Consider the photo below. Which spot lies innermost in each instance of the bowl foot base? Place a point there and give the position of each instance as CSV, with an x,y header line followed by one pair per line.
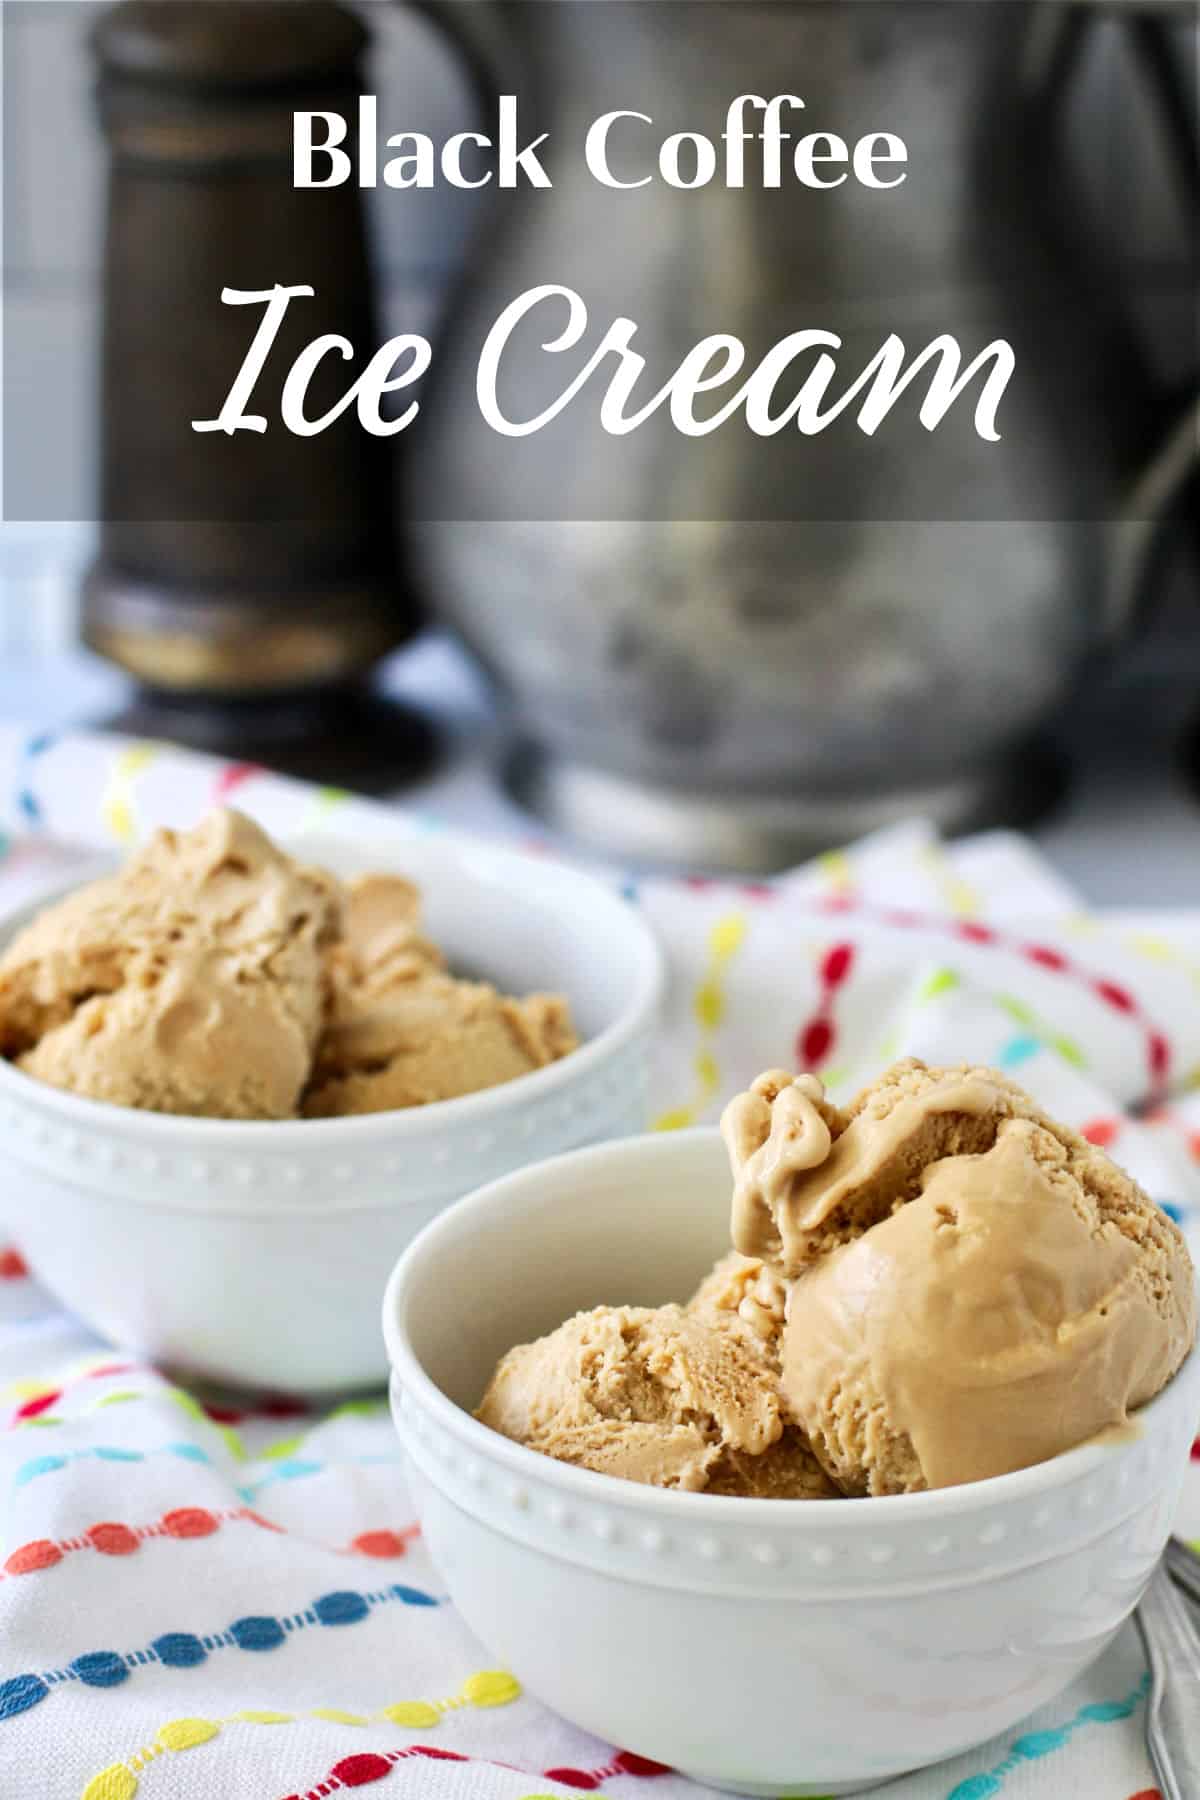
x,y
791,1790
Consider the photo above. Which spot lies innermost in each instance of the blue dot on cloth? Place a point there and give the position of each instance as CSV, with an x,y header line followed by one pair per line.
x,y
975,1787
179,1650
1039,1743
1107,1712
257,1633
190,1452
292,1468
1172,1212
19,1693
38,1465
412,1596
101,1668
343,1608
110,1453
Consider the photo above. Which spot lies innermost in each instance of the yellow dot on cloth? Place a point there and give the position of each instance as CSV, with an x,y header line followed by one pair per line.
x,y
115,1783
707,1072
491,1687
338,1718
185,1734
252,1717
412,1713
1154,949
675,1120
726,935
710,1005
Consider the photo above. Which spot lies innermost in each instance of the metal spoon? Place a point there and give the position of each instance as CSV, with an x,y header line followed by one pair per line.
x,y
1172,1645
1183,1566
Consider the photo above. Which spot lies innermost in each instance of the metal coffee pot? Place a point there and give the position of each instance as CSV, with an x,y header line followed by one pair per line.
x,y
735,653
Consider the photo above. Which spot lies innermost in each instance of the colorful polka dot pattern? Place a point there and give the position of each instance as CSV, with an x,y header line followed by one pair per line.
x,y
255,1633
1036,1744
490,1687
360,1771
117,807
725,939
1111,994
182,1524
29,807
817,1041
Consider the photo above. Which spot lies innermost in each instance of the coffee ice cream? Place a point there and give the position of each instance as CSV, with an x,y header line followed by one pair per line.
x,y
658,1395
972,1287
192,981
214,976
403,1031
937,1284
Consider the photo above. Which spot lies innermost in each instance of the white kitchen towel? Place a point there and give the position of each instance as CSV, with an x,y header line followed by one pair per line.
x,y
215,1598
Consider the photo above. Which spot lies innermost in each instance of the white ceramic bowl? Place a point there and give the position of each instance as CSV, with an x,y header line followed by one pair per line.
x,y
257,1252
761,1646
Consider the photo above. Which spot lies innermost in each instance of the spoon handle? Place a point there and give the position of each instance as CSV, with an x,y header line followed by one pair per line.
x,y
1172,1647
1183,1566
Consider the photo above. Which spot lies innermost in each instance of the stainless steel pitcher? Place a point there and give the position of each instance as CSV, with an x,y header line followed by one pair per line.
x,y
737,657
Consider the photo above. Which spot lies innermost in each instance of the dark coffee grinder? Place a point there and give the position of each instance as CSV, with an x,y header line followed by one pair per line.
x,y
248,582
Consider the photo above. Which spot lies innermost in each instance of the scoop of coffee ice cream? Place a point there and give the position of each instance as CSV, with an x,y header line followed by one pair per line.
x,y
190,982
402,1031
974,1287
654,1395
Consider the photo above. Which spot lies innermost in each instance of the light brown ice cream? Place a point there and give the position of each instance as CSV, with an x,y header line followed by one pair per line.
x,y
655,1395
976,1288
215,976
808,1178
741,1291
935,1285
402,1031
191,982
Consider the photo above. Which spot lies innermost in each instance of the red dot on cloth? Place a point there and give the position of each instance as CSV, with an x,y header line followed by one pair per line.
x,y
43,1403
232,777
575,1778
1115,996
758,890
360,1770
267,1524
837,964
1045,957
814,1043
1101,1132
626,1763
1147,1794
1196,1450
190,1522
13,1266
379,1543
975,933
1160,1053
41,1554
112,1540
